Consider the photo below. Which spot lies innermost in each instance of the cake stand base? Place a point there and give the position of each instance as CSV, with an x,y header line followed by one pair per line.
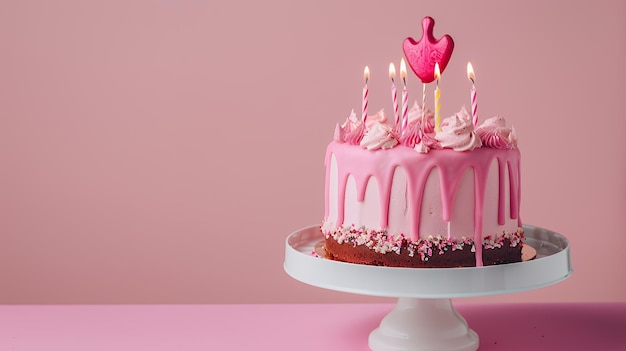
x,y
424,318
423,324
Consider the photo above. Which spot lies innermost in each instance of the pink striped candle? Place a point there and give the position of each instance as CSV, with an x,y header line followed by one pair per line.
x,y
472,77
394,93
405,96
366,76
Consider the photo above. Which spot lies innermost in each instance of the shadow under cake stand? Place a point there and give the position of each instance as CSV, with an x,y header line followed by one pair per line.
x,y
424,317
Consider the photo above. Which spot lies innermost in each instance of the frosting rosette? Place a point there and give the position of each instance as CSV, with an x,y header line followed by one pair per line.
x,y
457,133
351,123
494,134
339,135
351,130
427,143
378,117
411,136
415,116
354,137
378,136
413,133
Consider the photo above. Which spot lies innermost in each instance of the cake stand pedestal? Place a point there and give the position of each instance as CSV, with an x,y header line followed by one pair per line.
x,y
424,317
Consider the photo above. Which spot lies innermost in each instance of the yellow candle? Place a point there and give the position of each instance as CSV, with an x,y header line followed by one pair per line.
x,y
437,102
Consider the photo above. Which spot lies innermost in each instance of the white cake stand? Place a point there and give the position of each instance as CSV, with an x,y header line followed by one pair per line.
x,y
424,318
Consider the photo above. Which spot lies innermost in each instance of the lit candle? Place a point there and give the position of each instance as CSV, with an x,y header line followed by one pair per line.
x,y
437,102
394,93
366,76
405,96
472,77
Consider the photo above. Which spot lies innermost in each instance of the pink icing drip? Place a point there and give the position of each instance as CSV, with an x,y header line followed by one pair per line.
x,y
501,219
519,191
480,185
451,165
514,184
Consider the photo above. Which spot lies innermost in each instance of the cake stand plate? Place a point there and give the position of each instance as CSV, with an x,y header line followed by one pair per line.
x,y
424,318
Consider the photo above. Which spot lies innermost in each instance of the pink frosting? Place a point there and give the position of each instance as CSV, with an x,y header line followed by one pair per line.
x,y
351,123
413,134
428,142
378,136
378,117
354,137
494,134
339,134
415,116
374,134
351,130
351,161
457,133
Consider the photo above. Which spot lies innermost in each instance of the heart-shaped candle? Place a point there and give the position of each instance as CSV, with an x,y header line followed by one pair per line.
x,y
424,53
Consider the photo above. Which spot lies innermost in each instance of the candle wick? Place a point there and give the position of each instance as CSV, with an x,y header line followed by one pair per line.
x,y
404,81
472,79
392,80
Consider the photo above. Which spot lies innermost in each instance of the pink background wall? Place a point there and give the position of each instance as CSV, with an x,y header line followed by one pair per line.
x,y
161,151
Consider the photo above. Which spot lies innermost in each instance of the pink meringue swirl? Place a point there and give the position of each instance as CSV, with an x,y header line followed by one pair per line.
x,y
428,142
415,116
351,123
494,134
457,133
413,133
339,135
351,130
354,136
378,117
411,136
379,136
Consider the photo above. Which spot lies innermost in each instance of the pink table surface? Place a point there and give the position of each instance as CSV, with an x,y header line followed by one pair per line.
x,y
566,326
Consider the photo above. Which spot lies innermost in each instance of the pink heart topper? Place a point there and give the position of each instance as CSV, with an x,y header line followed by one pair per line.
x,y
423,54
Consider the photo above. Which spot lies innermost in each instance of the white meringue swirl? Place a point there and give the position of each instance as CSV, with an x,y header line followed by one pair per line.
x,y
494,134
378,117
457,133
378,136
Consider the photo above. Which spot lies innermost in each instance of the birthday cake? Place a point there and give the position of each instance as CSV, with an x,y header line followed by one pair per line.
x,y
419,191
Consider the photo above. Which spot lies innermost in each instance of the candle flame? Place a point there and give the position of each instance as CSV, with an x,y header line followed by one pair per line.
x,y
402,68
470,72
437,72
366,74
392,71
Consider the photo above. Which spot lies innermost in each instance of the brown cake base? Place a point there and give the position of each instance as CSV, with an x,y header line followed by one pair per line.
x,y
361,254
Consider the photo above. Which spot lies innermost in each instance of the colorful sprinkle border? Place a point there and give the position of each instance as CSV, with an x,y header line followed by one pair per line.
x,y
381,242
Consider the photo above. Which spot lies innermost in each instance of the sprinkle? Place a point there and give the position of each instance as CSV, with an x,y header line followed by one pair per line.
x,y
382,242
